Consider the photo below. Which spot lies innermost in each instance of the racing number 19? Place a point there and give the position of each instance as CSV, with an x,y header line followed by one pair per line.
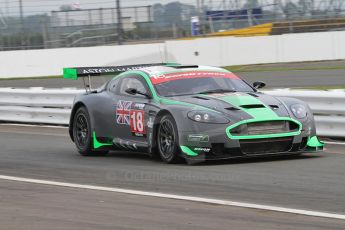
x,y
137,121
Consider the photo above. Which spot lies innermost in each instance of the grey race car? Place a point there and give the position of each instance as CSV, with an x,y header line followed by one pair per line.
x,y
186,112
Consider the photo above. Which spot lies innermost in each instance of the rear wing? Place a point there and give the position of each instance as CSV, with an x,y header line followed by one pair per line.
x,y
76,72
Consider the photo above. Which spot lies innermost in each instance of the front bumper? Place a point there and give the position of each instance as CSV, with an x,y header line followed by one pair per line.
x,y
216,147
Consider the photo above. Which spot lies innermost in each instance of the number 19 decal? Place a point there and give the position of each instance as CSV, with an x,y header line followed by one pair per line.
x,y
137,121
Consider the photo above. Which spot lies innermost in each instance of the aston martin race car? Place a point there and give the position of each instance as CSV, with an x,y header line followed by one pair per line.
x,y
190,112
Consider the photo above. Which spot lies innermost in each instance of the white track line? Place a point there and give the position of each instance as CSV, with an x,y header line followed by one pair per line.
x,y
334,143
179,197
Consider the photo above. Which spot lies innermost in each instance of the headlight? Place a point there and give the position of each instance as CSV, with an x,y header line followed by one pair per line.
x,y
299,111
207,117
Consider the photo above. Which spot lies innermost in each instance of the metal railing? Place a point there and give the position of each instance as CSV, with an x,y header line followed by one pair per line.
x,y
328,108
53,106
50,31
37,105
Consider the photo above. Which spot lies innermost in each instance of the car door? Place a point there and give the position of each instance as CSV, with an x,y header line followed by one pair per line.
x,y
131,113
103,111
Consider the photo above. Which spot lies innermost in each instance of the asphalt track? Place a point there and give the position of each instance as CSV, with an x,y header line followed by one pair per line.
x,y
310,182
273,79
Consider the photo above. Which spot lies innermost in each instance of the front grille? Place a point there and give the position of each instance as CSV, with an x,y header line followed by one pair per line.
x,y
267,127
264,127
220,152
267,145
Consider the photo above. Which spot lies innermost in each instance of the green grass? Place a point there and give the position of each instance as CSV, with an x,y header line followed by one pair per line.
x,y
256,68
235,69
321,87
242,68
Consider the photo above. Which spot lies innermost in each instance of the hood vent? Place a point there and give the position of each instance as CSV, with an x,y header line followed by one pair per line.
x,y
253,106
232,108
274,107
201,98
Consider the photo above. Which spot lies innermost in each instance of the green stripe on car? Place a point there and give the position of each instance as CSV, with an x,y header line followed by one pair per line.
x,y
260,114
239,99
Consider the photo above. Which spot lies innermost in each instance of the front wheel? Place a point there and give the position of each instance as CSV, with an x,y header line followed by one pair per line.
x,y
167,140
82,134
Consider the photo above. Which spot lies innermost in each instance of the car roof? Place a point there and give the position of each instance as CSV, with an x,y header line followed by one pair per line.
x,y
160,70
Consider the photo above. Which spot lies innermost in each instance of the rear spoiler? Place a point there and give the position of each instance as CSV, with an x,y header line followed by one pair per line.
x,y
76,72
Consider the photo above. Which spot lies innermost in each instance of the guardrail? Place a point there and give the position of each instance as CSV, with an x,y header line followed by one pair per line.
x,y
53,106
37,105
328,108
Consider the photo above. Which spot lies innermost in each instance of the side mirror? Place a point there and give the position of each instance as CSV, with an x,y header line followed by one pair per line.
x,y
259,84
131,91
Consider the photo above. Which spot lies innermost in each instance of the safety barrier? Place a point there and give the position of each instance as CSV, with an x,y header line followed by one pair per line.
x,y
328,108
37,105
53,106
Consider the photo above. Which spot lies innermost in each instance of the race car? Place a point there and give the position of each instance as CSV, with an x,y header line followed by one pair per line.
x,y
193,113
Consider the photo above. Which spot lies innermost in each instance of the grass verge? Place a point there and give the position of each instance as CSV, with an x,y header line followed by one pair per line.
x,y
321,87
256,68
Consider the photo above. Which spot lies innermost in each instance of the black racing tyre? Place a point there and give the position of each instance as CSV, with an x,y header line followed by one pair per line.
x,y
167,140
82,134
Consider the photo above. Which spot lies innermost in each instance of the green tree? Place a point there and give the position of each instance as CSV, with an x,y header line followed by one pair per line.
x,y
173,13
305,6
291,10
66,8
251,4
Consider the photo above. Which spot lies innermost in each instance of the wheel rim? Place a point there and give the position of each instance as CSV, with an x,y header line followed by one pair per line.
x,y
166,139
81,130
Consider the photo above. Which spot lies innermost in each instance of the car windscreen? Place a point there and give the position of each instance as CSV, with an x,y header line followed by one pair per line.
x,y
197,82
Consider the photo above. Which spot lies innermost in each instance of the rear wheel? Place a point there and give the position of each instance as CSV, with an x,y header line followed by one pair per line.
x,y
82,134
167,140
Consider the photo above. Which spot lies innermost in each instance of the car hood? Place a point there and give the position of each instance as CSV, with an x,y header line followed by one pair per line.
x,y
239,104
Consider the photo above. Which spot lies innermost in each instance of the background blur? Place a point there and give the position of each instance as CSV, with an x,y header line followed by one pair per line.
x,y
38,24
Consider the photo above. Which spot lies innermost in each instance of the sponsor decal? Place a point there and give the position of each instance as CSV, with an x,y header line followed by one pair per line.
x,y
138,106
137,121
227,94
189,75
100,70
202,149
150,122
198,138
139,134
132,114
123,109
